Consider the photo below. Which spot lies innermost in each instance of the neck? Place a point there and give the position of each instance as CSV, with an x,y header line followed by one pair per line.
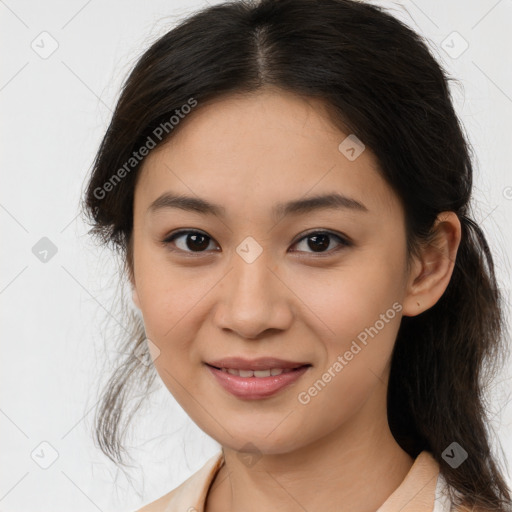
x,y
334,472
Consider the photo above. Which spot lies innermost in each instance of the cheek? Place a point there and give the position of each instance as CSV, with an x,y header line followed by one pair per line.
x,y
365,322
174,305
357,313
166,295
348,300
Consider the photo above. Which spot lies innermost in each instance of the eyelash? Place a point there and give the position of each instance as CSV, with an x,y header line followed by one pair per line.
x,y
344,242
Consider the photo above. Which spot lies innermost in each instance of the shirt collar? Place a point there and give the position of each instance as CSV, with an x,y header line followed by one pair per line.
x,y
421,490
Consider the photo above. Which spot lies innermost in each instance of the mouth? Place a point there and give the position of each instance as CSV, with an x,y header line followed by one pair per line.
x,y
264,379
269,372
261,363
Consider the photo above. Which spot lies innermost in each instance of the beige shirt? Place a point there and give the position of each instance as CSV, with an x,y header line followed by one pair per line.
x,y
422,490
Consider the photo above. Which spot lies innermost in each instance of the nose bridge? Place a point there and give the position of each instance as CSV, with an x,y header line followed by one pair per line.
x,y
253,300
251,276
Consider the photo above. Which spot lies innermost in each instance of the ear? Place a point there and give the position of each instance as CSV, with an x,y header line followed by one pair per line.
x,y
431,272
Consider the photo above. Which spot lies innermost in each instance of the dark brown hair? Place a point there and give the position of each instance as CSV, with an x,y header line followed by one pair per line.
x,y
380,82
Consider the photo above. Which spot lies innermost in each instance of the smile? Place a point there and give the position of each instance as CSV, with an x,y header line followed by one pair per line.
x,y
256,384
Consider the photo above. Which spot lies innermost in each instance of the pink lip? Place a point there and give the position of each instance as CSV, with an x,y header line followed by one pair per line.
x,y
253,388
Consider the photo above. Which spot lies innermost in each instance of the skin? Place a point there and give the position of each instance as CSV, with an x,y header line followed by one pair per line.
x,y
248,153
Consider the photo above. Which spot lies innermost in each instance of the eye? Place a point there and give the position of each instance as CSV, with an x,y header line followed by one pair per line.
x,y
198,242
194,241
320,241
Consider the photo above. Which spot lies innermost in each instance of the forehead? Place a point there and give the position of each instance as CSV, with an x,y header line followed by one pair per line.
x,y
259,149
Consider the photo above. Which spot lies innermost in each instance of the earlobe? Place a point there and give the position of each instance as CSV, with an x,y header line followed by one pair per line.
x,y
411,305
431,273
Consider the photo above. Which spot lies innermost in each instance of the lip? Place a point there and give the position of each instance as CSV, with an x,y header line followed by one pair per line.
x,y
254,388
261,363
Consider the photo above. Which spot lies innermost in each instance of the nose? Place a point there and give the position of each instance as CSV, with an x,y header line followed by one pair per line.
x,y
253,299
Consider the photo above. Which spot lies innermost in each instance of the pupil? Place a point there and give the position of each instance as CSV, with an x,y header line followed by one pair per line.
x,y
199,245
324,242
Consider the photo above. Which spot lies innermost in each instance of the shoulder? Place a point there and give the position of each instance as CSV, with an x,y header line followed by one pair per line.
x,y
190,494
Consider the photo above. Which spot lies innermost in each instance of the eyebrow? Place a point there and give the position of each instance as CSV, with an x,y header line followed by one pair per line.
x,y
333,201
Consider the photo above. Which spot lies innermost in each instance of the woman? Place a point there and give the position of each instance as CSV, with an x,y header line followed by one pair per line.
x,y
289,187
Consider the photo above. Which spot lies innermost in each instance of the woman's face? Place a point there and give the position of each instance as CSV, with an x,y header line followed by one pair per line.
x,y
254,280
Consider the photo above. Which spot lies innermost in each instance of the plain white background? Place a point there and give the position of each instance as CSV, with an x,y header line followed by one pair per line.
x,y
55,109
